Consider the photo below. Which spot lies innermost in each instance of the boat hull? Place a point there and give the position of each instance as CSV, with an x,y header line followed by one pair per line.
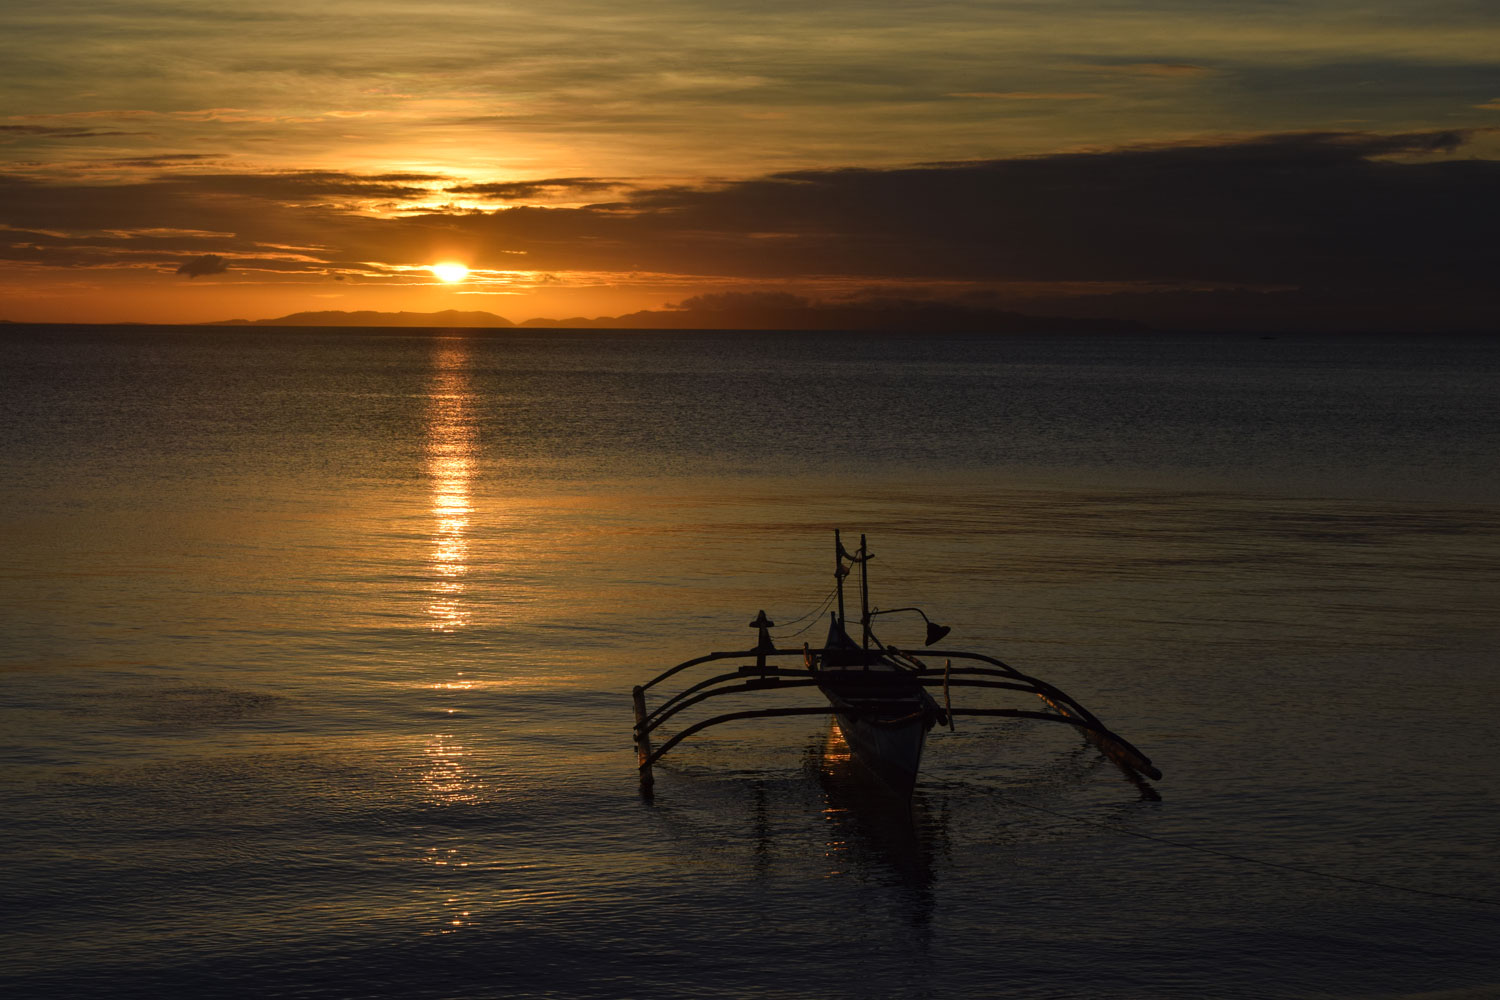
x,y
891,753
884,714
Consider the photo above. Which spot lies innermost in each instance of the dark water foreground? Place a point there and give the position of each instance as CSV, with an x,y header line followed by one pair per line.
x,y
317,650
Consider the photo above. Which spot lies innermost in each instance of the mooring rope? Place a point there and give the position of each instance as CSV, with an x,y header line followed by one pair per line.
x,y
1373,883
814,614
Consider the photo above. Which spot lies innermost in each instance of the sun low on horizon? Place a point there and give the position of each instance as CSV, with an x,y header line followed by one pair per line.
x,y
450,271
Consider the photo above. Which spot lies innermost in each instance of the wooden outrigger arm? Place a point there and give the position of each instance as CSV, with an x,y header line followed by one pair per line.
x,y
1068,709
751,677
762,676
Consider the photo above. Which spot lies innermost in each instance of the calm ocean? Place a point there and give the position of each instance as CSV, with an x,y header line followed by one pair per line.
x,y
317,650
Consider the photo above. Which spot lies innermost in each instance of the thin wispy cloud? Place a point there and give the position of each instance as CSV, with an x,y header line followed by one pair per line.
x,y
17,132
550,187
1164,70
1027,95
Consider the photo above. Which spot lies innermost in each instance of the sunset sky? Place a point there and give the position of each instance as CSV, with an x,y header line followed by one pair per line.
x,y
1324,163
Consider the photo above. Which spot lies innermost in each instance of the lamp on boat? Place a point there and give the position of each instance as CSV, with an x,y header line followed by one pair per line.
x,y
934,630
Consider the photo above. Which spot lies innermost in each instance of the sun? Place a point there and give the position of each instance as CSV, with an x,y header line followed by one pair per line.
x,y
450,271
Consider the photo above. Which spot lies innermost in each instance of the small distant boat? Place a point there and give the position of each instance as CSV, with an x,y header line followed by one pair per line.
x,y
880,695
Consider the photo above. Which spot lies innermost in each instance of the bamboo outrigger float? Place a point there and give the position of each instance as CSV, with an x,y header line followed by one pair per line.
x,y
878,693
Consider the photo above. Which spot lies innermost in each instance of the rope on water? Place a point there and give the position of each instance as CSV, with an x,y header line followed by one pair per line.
x,y
1373,883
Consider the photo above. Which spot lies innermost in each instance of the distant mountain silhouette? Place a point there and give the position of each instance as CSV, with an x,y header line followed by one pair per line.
x,y
742,311
369,317
761,311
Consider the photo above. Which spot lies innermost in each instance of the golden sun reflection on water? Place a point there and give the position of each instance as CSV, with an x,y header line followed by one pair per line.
x,y
446,779
452,446
834,764
836,753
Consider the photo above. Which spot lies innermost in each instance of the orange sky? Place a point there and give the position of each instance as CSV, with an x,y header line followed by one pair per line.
x,y
167,163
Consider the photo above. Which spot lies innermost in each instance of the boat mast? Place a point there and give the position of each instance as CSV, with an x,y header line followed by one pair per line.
x,y
864,591
838,572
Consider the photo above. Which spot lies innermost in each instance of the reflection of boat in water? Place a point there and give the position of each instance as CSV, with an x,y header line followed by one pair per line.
x,y
878,693
866,838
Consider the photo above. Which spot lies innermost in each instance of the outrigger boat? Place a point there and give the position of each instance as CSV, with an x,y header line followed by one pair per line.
x,y
878,693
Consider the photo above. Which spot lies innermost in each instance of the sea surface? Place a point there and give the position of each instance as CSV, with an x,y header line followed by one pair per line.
x,y
316,652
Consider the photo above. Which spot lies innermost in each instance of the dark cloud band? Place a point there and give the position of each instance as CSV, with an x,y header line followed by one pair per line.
x,y
1337,228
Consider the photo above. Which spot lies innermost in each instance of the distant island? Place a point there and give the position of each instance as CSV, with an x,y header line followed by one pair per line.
x,y
369,317
733,311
